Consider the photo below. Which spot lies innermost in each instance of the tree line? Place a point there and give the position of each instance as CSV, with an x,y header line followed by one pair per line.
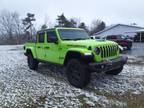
x,y
17,30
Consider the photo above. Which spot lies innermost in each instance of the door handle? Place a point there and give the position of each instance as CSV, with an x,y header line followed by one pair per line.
x,y
46,47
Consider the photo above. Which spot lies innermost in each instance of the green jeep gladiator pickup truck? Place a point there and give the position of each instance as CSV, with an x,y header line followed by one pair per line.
x,y
73,48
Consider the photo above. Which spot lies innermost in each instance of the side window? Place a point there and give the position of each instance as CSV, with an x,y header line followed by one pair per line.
x,y
41,37
51,36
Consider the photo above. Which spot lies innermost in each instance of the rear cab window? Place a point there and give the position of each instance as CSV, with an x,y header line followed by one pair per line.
x,y
41,37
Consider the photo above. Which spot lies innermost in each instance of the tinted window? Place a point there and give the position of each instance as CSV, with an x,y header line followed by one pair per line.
x,y
111,37
41,37
51,35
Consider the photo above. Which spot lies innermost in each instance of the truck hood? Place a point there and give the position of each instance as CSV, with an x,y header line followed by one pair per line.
x,y
88,42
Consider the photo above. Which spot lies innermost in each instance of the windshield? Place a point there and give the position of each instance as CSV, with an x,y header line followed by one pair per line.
x,y
67,34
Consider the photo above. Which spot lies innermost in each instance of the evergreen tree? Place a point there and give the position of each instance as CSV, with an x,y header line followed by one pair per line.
x,y
64,22
83,26
43,27
97,26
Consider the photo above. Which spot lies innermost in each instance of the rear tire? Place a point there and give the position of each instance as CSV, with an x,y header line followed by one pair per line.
x,y
115,71
77,73
32,63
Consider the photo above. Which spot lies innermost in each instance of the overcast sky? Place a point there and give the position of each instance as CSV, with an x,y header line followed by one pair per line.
x,y
110,11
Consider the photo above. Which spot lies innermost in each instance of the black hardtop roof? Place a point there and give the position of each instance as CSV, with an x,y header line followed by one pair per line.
x,y
41,31
44,30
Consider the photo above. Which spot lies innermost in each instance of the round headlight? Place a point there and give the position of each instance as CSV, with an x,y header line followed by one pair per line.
x,y
97,50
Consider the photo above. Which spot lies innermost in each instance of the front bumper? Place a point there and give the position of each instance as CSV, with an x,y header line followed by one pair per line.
x,y
108,64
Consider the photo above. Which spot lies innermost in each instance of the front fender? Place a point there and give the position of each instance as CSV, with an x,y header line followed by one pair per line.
x,y
32,49
81,51
83,54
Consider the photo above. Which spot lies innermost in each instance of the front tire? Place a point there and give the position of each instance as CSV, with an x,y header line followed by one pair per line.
x,y
115,71
77,73
32,63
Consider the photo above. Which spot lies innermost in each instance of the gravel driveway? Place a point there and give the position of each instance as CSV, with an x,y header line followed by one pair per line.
x,y
48,87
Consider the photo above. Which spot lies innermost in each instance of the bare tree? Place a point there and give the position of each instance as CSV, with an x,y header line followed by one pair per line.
x,y
78,21
10,25
18,31
6,23
97,25
47,23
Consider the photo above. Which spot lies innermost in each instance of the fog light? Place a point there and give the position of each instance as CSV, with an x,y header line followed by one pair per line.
x,y
102,66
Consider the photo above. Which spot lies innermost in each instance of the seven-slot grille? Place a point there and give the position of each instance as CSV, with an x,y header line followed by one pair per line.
x,y
108,51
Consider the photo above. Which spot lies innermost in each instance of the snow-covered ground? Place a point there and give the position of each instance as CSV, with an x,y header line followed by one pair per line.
x,y
48,87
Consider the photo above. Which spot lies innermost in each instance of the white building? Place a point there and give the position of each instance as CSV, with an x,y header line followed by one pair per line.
x,y
119,29
140,35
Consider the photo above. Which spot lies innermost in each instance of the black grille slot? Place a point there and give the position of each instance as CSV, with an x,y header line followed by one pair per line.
x,y
101,52
105,52
112,50
108,51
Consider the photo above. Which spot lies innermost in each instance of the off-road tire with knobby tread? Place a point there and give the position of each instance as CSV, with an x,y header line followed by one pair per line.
x,y
32,63
77,73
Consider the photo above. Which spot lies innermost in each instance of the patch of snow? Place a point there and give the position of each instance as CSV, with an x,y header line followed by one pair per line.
x,y
91,104
20,86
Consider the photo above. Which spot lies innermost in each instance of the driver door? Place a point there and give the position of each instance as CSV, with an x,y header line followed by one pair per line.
x,y
51,47
40,45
